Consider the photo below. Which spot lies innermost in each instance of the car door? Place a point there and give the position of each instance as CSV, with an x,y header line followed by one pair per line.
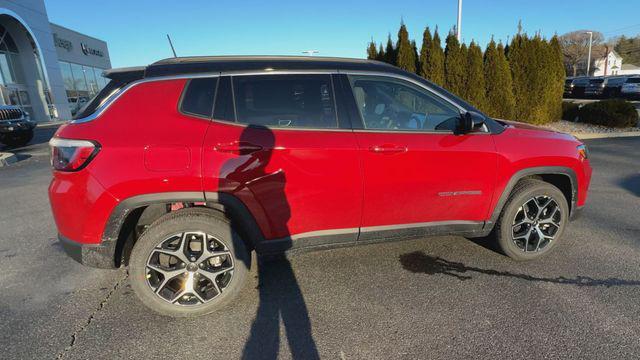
x,y
285,154
418,174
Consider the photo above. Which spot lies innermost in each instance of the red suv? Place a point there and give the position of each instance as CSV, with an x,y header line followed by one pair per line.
x,y
179,169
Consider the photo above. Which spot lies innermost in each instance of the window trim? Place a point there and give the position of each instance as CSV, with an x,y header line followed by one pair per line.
x,y
329,73
184,91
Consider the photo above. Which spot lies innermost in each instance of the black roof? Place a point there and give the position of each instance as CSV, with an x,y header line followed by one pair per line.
x,y
207,64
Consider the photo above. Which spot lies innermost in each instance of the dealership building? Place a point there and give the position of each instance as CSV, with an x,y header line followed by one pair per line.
x,y
46,69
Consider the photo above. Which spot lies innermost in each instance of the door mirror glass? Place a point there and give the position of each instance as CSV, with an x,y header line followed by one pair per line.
x,y
470,121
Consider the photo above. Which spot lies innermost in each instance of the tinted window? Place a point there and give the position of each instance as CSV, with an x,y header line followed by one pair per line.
x,y
90,107
224,101
633,80
198,97
386,103
301,101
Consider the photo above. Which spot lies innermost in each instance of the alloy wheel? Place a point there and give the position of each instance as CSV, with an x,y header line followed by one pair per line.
x,y
536,224
189,268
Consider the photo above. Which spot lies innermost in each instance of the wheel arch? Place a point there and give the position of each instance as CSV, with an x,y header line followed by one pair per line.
x,y
564,178
128,219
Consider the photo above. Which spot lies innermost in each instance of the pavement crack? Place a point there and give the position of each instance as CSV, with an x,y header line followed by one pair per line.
x,y
91,317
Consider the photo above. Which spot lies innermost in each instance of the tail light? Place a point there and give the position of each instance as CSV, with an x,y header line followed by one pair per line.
x,y
72,155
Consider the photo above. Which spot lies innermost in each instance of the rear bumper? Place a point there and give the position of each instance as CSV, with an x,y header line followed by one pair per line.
x,y
94,255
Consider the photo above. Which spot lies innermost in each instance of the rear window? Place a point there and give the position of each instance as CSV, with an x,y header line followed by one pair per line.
x,y
288,101
92,105
633,80
198,97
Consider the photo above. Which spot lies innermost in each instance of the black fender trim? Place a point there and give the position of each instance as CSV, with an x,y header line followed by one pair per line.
x,y
541,170
123,209
243,220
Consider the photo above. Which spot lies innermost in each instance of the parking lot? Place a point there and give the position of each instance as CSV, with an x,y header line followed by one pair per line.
x,y
442,297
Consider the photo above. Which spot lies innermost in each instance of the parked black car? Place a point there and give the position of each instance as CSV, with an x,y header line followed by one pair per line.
x,y
613,85
579,86
16,127
595,88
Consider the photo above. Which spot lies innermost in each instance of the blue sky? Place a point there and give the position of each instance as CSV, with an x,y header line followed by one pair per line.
x,y
135,29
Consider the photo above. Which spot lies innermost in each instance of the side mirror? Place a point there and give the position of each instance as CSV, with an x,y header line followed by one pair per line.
x,y
469,122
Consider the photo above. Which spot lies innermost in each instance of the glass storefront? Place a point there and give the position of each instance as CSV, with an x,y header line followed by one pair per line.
x,y
81,82
13,90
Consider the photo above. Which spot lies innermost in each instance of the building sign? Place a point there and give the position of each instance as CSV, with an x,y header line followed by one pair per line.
x,y
90,51
62,43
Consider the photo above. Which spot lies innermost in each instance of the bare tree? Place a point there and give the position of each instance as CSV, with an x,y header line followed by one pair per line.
x,y
575,48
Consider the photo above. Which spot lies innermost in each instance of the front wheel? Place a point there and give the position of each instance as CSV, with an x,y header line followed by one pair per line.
x,y
188,263
532,221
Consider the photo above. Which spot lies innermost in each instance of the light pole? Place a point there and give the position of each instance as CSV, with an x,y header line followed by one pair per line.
x,y
589,56
459,26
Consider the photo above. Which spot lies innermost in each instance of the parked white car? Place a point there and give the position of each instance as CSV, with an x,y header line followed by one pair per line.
x,y
631,88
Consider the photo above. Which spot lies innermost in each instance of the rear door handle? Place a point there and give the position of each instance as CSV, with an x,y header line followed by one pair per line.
x,y
388,149
238,147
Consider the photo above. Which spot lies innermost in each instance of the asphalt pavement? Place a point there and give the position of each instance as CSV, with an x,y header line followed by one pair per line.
x,y
440,297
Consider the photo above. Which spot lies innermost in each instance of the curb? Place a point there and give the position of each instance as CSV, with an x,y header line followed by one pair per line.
x,y
7,159
586,136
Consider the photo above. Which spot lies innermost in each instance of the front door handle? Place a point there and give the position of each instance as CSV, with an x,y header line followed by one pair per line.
x,y
238,147
388,149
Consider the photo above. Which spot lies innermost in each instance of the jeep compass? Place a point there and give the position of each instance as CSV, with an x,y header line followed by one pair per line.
x,y
180,169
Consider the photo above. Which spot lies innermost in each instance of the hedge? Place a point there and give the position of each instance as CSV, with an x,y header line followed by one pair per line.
x,y
570,111
611,112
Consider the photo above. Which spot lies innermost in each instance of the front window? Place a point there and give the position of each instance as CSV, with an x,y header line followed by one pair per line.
x,y
392,104
286,101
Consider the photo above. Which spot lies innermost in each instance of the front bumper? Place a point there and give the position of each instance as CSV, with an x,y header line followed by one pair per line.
x,y
9,126
94,255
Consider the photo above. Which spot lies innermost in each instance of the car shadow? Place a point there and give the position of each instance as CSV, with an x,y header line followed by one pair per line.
x,y
632,184
250,177
419,262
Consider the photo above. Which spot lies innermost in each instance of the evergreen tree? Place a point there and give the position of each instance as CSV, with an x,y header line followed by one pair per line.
x,y
556,84
405,58
390,52
425,54
372,52
517,63
464,52
435,61
381,55
416,57
529,62
498,84
454,66
475,77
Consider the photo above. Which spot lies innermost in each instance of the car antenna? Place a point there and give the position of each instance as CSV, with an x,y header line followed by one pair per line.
x,y
171,44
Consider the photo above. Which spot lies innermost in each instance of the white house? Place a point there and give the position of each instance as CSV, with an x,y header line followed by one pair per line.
x,y
608,65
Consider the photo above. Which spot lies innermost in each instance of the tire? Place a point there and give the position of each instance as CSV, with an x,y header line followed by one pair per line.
x,y
17,138
529,196
159,247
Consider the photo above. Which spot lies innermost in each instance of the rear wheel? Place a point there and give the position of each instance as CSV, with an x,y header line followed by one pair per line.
x,y
532,221
188,263
17,138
